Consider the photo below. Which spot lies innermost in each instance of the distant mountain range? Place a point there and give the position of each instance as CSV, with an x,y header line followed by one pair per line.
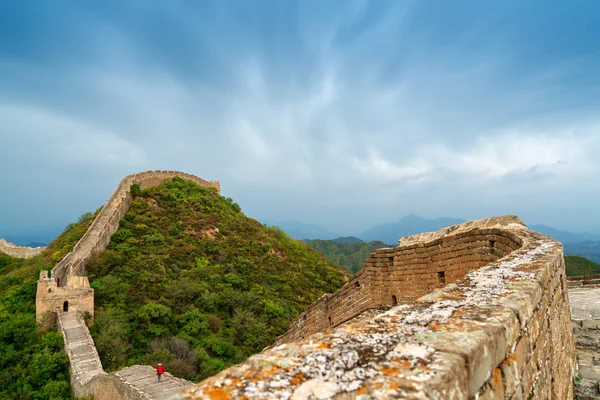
x,y
301,231
582,244
564,236
409,225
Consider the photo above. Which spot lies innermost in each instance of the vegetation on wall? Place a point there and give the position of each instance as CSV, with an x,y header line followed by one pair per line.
x,y
191,282
32,365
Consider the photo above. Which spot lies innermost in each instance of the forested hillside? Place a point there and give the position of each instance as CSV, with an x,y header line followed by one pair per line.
x,y
189,281
346,253
32,365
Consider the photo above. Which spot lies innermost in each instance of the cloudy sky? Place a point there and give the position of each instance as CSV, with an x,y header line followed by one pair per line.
x,y
341,113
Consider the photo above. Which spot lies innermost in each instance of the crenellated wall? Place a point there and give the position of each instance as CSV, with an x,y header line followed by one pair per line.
x,y
495,325
19,251
402,274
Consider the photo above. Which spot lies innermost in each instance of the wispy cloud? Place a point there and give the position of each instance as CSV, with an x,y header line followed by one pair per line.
x,y
324,103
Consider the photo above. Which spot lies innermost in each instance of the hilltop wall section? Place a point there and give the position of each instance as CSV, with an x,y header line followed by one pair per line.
x,y
19,251
97,237
68,276
66,295
495,325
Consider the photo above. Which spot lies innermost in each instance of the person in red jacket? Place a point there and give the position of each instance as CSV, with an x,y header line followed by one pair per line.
x,y
159,371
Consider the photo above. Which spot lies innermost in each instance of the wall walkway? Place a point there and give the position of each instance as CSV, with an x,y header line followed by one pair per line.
x,y
585,313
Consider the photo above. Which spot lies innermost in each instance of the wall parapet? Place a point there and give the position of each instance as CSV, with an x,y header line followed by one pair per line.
x,y
501,330
584,280
19,251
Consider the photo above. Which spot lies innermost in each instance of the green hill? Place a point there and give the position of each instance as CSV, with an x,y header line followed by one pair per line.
x,y
191,282
577,266
348,239
348,254
32,365
187,280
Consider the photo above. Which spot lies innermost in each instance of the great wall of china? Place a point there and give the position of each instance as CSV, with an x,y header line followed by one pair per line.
x,y
19,251
478,310
65,295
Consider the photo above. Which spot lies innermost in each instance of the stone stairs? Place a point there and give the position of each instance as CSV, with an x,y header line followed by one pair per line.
x,y
143,379
79,347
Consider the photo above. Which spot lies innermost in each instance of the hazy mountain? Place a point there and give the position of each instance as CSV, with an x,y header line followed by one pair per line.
x,y
409,225
564,236
301,230
348,239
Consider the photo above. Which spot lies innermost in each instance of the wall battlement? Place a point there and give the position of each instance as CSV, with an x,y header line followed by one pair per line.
x,y
475,310
19,251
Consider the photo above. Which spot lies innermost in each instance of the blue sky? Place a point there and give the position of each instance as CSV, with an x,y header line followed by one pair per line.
x,y
342,113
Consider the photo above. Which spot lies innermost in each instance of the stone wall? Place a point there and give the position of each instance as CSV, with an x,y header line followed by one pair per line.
x,y
86,372
19,251
68,276
52,298
588,281
402,274
106,223
498,328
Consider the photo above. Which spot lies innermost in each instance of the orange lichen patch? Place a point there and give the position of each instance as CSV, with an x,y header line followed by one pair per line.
x,y
218,394
266,373
297,379
511,357
236,382
390,371
497,377
324,345
362,390
434,326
